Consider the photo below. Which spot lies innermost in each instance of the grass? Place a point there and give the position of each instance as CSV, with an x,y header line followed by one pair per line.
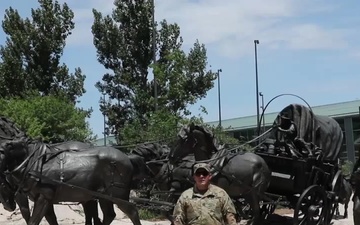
x,y
146,214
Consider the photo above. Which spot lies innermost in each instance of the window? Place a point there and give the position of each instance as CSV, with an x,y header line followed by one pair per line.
x,y
356,123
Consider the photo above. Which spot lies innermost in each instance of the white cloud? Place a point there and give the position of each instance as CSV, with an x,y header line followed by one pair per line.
x,y
230,26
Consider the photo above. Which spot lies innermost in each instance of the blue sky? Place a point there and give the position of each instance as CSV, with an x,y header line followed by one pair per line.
x,y
309,48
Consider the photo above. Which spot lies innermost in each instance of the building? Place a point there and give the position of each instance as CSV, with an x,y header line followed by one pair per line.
x,y
345,113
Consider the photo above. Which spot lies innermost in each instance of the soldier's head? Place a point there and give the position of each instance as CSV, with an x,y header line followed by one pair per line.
x,y
285,118
202,176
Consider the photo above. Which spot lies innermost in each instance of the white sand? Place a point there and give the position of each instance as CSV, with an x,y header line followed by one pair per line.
x,y
70,215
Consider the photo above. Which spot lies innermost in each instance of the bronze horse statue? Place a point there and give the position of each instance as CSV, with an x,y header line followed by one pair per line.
x,y
8,131
139,157
50,176
241,175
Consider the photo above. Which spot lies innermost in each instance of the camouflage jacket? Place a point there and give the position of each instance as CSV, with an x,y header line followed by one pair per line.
x,y
213,207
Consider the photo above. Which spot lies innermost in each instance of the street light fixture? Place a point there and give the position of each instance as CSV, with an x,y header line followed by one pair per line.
x,y
256,42
218,75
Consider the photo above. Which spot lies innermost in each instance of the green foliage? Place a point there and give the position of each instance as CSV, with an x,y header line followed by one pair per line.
x,y
30,58
124,46
146,214
161,125
51,118
347,167
225,138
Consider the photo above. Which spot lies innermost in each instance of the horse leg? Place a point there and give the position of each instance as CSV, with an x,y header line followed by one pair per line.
x,y
356,210
128,208
346,210
253,199
91,212
23,203
337,212
107,208
50,215
131,211
41,207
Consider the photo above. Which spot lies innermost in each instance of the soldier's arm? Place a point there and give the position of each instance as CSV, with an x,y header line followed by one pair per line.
x,y
283,130
229,210
179,212
292,128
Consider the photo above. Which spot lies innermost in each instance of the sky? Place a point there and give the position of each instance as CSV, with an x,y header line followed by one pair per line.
x,y
309,48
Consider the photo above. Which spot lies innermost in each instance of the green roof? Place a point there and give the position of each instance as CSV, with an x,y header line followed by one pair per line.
x,y
335,110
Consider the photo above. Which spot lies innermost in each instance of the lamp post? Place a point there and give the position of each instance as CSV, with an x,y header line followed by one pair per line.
x,y
256,42
262,108
218,75
154,53
104,132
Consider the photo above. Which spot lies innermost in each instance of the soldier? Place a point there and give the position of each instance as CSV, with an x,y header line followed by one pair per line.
x,y
204,203
289,130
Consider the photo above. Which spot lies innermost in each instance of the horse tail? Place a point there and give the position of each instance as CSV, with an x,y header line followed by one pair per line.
x,y
263,178
138,163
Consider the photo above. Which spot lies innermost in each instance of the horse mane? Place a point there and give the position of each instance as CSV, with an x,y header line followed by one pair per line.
x,y
15,142
152,150
209,136
9,130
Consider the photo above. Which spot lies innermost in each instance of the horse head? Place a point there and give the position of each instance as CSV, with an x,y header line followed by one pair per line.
x,y
193,139
147,159
9,151
13,152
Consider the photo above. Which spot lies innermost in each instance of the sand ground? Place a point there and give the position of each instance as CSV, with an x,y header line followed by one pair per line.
x,y
72,214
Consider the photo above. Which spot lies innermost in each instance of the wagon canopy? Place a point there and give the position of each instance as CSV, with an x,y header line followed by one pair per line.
x,y
323,131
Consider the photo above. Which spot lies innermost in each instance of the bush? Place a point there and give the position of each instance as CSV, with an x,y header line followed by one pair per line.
x,y
347,167
146,214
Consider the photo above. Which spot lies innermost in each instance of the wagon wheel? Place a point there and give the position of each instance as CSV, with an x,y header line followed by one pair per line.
x,y
267,209
336,186
311,206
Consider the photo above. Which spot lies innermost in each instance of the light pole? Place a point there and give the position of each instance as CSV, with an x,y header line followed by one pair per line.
x,y
154,53
262,107
104,122
256,42
218,75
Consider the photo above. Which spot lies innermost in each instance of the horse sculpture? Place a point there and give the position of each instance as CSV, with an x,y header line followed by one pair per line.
x,y
90,207
50,176
8,131
241,175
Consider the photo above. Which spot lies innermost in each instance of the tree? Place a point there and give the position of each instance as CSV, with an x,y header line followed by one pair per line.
x,y
162,127
30,58
124,46
51,118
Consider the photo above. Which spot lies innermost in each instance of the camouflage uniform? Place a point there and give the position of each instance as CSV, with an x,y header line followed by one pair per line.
x,y
213,207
